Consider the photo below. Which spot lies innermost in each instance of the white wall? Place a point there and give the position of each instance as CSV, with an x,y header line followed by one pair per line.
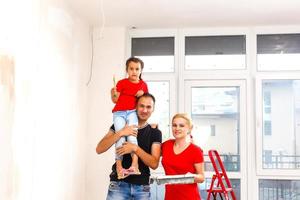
x,y
52,51
109,59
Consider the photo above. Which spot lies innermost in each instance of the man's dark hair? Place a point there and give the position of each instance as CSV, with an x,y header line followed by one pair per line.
x,y
135,60
146,95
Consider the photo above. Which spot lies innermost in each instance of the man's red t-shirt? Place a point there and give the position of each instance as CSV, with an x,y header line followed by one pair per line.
x,y
128,90
179,164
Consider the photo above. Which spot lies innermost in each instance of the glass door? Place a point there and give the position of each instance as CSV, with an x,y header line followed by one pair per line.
x,y
218,110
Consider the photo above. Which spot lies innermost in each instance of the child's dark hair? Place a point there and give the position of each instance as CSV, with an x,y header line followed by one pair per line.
x,y
135,60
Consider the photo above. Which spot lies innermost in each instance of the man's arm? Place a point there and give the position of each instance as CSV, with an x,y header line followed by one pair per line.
x,y
111,138
151,160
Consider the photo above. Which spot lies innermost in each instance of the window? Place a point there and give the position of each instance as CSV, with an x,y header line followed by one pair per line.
x,y
212,130
267,128
162,97
209,74
215,52
278,52
268,157
279,189
235,183
156,52
281,127
215,111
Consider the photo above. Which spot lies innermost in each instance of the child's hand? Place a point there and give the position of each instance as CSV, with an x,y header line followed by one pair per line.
x,y
113,92
154,125
139,93
114,95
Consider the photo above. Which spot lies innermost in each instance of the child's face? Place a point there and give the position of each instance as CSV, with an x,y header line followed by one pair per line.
x,y
134,70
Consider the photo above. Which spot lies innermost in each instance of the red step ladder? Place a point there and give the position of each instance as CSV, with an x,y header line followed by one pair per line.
x,y
223,189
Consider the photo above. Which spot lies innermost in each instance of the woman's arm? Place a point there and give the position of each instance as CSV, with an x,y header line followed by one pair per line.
x,y
199,176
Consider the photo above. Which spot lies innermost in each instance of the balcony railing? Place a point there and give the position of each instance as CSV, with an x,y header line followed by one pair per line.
x,y
281,162
231,162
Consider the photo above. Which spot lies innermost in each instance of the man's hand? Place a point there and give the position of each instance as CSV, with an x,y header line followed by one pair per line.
x,y
128,130
126,148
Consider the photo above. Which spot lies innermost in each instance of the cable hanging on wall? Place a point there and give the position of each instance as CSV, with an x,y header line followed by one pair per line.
x,y
92,40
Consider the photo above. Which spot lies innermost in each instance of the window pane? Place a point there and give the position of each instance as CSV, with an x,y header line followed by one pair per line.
x,y
161,92
281,126
279,189
217,107
157,53
235,183
215,52
278,52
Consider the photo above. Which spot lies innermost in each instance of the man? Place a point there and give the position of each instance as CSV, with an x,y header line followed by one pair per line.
x,y
148,150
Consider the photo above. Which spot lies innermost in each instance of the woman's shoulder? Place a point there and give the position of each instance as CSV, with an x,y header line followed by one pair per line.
x,y
168,142
196,147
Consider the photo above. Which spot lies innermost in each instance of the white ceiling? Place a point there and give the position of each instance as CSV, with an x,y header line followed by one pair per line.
x,y
188,13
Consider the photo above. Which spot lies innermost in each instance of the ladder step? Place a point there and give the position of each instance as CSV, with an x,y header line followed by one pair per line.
x,y
219,190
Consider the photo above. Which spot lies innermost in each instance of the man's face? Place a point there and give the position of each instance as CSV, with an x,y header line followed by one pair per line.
x,y
144,108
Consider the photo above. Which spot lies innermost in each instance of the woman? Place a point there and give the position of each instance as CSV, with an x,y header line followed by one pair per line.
x,y
180,156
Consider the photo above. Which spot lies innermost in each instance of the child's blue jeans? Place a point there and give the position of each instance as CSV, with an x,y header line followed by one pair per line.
x,y
120,119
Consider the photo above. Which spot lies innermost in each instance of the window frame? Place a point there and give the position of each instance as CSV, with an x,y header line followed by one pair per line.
x,y
287,173
214,32
260,30
251,74
241,83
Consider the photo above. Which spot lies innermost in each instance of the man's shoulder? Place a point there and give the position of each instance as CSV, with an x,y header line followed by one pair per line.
x,y
151,129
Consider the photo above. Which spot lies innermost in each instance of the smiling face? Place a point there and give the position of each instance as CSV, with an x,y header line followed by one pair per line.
x,y
134,70
144,108
181,126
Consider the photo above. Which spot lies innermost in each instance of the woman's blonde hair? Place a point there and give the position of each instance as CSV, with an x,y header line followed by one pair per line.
x,y
185,116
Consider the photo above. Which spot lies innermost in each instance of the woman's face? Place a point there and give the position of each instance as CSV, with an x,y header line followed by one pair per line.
x,y
180,128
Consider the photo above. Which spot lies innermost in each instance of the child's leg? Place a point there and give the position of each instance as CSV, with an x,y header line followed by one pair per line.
x,y
133,120
119,123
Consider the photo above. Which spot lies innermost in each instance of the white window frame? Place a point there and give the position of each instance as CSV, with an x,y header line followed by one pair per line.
x,y
260,30
171,80
177,79
214,32
288,174
159,76
242,175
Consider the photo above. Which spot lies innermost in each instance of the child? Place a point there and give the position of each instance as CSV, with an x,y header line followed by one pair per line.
x,y
124,96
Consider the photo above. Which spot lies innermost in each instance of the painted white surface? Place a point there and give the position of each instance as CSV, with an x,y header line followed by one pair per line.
x,y
52,51
109,59
188,13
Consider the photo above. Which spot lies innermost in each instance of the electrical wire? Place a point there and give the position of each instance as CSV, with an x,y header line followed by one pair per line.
x,y
92,59
92,40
